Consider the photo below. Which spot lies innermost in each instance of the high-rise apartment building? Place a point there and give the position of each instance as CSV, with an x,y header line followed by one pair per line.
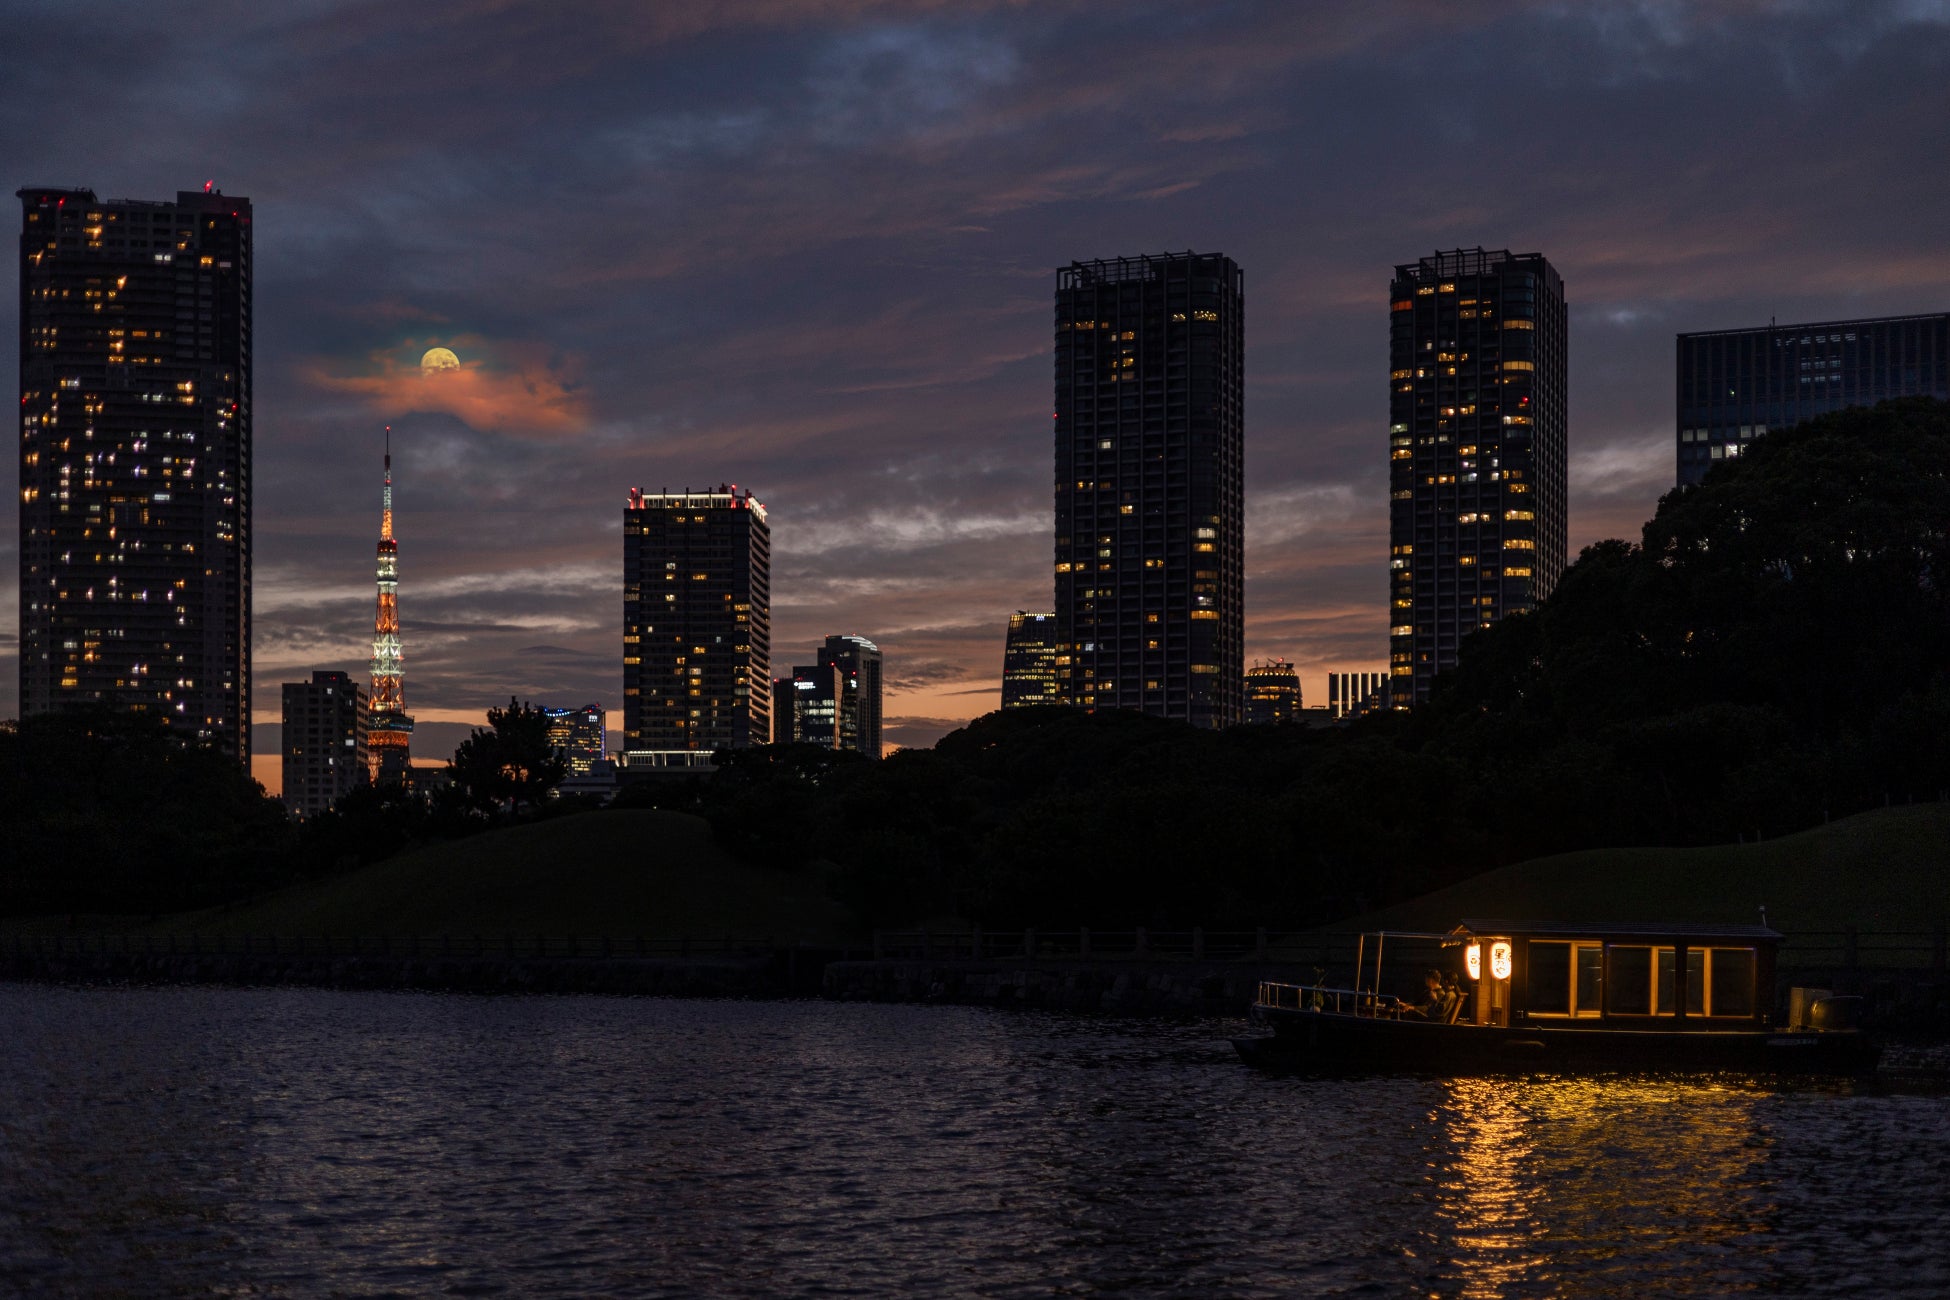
x,y
1150,449
324,741
1033,668
135,458
835,702
697,611
1735,385
1272,692
1477,443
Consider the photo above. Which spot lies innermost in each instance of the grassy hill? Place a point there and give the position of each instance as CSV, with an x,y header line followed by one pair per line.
x,y
1884,870
620,874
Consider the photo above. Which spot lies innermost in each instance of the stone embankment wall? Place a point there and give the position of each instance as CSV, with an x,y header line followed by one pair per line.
x,y
1131,988
758,975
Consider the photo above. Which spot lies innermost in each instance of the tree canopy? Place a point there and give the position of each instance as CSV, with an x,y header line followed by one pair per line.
x,y
1771,651
511,760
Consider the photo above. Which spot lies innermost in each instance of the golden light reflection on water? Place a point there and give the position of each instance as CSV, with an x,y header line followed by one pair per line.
x,y
1530,1172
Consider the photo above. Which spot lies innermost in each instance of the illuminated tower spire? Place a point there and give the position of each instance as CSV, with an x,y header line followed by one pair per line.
x,y
389,732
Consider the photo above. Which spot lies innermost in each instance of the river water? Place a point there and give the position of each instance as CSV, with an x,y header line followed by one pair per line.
x,y
300,1142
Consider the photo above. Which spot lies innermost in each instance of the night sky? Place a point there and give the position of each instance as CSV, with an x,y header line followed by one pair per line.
x,y
809,247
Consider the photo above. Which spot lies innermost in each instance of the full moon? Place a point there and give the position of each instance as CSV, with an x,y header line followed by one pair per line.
x,y
438,359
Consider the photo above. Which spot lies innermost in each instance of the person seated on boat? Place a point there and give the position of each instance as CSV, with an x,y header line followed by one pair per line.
x,y
1452,997
1432,1006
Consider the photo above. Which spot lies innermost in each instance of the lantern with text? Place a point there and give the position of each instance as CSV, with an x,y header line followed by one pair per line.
x,y
1473,960
1500,961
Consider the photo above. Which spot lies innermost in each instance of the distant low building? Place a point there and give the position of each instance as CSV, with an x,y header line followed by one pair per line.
x,y
324,741
1349,695
1272,692
1032,663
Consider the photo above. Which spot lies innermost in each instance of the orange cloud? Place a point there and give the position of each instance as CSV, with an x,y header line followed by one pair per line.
x,y
519,390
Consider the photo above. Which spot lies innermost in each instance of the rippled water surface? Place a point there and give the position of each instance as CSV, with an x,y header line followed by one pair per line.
x,y
220,1142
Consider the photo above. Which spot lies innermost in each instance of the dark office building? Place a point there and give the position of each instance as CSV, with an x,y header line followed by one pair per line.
x,y
324,741
1477,516
135,458
806,707
1735,385
1272,692
835,702
1150,541
697,610
1033,669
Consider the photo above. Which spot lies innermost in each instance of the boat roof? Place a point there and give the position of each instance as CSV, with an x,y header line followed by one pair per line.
x,y
1621,929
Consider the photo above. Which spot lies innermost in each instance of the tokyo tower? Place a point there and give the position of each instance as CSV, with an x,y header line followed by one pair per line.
x,y
389,732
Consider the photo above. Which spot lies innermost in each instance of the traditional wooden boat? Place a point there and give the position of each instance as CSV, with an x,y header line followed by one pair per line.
x,y
1554,996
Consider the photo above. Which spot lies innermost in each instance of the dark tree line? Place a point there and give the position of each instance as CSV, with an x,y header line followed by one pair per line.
x,y
1772,651
1775,649
106,810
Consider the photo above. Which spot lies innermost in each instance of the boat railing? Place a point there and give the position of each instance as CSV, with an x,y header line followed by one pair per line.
x,y
1276,995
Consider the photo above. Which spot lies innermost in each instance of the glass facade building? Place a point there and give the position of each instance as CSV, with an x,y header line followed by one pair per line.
x,y
835,702
1477,451
1032,667
135,458
1150,542
578,736
1735,385
697,618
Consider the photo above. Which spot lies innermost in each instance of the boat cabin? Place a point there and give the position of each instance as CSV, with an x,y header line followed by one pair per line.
x,y
1616,976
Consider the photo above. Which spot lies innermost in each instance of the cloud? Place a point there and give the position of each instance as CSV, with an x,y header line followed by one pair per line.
x,y
926,674
525,391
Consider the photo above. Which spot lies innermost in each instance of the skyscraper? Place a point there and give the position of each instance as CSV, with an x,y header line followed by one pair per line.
x,y
835,702
1272,692
324,741
135,458
1032,669
1477,518
389,738
1150,540
1735,385
697,623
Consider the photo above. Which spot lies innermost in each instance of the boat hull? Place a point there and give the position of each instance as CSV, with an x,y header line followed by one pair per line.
x,y
1323,1040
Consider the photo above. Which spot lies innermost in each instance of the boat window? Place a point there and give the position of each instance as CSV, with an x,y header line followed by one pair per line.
x,y
1591,979
1550,978
1566,979
1720,981
1641,980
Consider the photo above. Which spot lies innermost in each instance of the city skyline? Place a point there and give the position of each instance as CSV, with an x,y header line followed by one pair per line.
x,y
809,249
